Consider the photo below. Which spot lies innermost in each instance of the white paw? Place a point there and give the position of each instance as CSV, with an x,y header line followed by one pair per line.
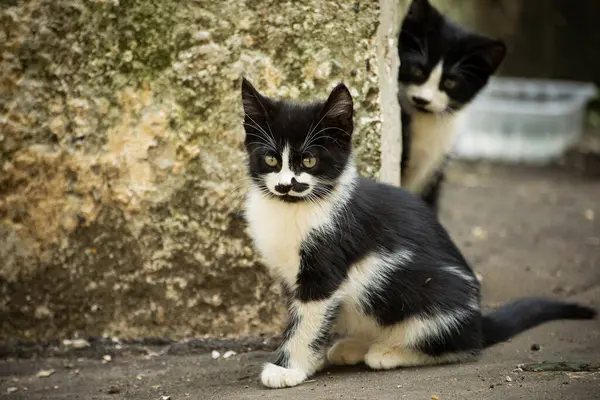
x,y
274,376
379,357
347,352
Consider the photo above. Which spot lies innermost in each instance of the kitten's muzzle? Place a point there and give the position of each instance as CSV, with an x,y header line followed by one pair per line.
x,y
296,186
419,101
420,104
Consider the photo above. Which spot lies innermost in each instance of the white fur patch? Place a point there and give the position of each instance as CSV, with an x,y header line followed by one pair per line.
x,y
432,138
279,228
285,174
430,91
274,376
418,329
370,273
459,272
367,275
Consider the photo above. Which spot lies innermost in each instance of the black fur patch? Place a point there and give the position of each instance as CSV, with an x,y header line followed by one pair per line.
x,y
283,357
323,337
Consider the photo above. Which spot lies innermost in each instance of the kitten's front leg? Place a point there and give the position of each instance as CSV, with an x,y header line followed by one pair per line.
x,y
302,352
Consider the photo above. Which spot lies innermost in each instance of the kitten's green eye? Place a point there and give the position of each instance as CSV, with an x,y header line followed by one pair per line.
x,y
271,161
416,72
450,83
309,162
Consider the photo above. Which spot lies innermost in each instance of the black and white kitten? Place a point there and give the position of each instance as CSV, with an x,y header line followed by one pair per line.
x,y
443,67
358,258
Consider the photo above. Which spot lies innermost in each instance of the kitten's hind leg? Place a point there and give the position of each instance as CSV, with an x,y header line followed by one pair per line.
x,y
381,356
348,351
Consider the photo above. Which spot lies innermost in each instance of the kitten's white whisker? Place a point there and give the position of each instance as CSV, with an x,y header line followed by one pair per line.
x,y
316,136
262,135
239,186
317,124
257,126
333,127
265,141
316,145
310,129
272,136
261,145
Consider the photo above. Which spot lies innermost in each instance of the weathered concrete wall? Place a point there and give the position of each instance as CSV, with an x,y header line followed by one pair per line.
x,y
121,159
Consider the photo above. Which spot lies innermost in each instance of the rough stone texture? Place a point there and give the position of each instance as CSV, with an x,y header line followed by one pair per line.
x,y
388,62
121,159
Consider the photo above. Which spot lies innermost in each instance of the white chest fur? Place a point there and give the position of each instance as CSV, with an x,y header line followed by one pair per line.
x,y
432,138
278,229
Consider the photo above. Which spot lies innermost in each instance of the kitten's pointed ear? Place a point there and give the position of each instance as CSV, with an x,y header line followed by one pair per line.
x,y
256,106
339,109
493,53
419,10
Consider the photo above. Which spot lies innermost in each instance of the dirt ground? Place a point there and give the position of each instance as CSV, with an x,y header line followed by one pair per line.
x,y
527,231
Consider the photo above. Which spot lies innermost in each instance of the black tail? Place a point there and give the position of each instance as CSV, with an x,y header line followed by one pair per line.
x,y
526,313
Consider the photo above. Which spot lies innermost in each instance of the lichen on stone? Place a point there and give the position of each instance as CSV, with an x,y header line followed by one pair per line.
x,y
122,166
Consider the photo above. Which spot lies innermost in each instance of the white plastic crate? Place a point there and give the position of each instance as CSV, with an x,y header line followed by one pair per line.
x,y
520,120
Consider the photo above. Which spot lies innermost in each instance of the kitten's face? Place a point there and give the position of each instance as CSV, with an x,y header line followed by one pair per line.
x,y
297,152
443,66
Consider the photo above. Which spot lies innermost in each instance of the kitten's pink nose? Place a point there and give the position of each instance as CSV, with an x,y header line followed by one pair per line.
x,y
419,101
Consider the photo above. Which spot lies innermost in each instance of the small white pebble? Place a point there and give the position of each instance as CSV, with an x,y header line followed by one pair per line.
x,y
518,369
229,353
106,359
589,214
398,386
11,389
479,233
56,387
215,354
202,36
76,343
165,397
45,373
479,277
508,379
